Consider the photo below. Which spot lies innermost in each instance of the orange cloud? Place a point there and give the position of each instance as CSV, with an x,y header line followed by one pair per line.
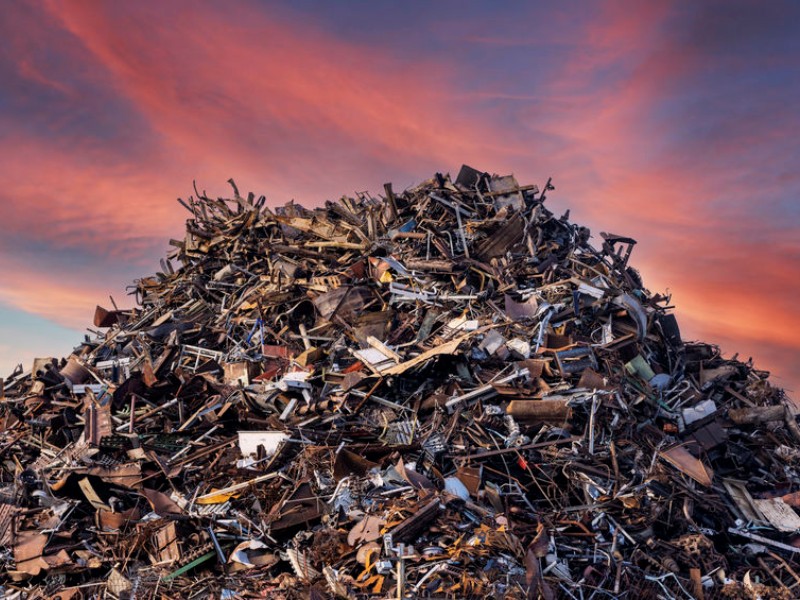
x,y
54,297
699,206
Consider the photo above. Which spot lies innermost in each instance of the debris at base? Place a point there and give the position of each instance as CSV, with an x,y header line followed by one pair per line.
x,y
446,392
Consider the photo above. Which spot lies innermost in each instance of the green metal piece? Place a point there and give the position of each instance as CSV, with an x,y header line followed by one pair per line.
x,y
190,566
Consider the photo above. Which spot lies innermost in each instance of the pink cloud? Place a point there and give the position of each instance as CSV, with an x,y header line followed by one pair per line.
x,y
245,92
80,198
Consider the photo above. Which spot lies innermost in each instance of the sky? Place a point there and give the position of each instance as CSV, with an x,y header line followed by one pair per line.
x,y
675,123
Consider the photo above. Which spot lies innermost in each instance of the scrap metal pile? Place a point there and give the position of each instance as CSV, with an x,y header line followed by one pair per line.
x,y
447,392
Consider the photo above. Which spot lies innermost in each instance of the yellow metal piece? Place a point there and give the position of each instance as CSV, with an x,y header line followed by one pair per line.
x,y
217,498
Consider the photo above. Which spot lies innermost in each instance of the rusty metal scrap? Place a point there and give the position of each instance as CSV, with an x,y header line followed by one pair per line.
x,y
447,392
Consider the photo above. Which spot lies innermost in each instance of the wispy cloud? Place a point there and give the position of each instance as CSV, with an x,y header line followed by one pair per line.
x,y
673,123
